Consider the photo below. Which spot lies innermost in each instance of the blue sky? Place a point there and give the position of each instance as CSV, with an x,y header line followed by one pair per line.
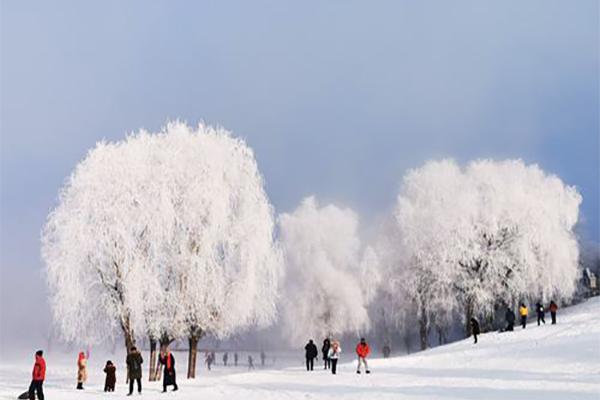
x,y
337,98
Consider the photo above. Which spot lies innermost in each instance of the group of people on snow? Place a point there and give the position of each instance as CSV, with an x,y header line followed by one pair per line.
x,y
331,351
523,314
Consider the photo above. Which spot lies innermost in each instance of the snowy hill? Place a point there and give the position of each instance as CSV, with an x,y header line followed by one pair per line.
x,y
559,362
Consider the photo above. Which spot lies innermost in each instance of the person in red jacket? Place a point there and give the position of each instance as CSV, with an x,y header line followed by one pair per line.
x,y
362,350
38,375
553,310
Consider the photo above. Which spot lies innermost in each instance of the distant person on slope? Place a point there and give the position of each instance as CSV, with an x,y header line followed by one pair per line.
x,y
250,363
539,308
334,354
386,351
311,353
134,363
38,375
523,312
510,319
362,351
235,358
263,357
325,350
553,308
474,329
166,358
225,357
81,370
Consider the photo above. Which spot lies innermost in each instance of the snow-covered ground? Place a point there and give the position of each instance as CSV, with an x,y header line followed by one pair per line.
x,y
559,362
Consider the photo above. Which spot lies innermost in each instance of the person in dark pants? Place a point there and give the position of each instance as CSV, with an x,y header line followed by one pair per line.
x,y
111,376
38,375
553,308
235,358
311,353
523,312
325,350
334,354
510,319
166,358
539,308
134,362
474,329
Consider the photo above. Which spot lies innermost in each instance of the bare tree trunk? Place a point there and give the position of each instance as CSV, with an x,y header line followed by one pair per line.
x,y
153,357
468,316
192,355
424,329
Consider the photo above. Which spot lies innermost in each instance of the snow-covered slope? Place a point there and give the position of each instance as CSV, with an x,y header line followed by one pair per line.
x,y
559,362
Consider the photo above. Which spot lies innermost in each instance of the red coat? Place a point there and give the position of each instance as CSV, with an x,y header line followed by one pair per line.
x,y
553,307
39,369
362,350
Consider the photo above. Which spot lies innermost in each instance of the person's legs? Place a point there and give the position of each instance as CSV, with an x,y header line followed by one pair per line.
x,y
139,384
333,365
307,364
312,364
366,366
475,337
358,365
543,319
130,385
553,315
40,390
524,322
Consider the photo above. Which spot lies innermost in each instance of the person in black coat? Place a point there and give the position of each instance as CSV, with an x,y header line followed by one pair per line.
x,y
168,361
325,350
474,328
311,353
539,308
510,319
111,376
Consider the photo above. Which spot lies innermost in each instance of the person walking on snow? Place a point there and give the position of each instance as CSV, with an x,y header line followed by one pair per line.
x,y
38,375
523,312
553,308
166,358
250,363
474,329
81,370
134,363
325,350
539,308
510,319
111,376
334,354
362,351
311,353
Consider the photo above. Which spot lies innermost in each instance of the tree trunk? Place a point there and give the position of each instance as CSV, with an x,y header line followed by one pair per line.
x,y
192,354
468,315
423,330
152,363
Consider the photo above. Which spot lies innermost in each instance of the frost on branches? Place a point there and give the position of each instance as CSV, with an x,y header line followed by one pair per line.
x,y
168,235
470,240
327,285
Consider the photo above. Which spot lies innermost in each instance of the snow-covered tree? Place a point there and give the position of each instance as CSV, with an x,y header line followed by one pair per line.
x,y
328,283
168,235
492,233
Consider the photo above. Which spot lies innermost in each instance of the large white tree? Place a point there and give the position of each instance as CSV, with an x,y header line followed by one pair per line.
x,y
491,233
168,235
328,281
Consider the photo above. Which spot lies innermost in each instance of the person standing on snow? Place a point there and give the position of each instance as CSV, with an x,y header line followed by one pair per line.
x,y
81,370
225,357
539,308
386,351
474,329
362,351
111,376
263,357
334,354
553,308
235,359
523,312
250,363
510,319
38,375
325,350
311,353
166,358
134,363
